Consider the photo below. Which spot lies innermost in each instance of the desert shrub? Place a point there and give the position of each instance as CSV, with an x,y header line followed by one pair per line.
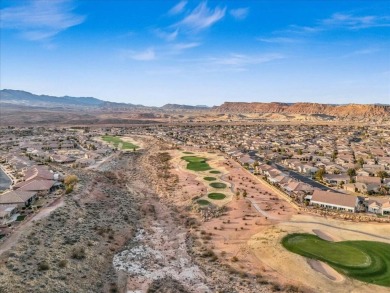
x,y
43,266
62,263
276,288
69,189
71,180
234,259
78,252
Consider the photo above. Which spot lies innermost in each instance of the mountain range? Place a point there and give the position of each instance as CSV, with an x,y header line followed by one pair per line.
x,y
26,99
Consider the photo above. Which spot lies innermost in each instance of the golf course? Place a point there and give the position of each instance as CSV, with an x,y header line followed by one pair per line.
x,y
367,261
218,185
116,141
203,166
196,163
216,196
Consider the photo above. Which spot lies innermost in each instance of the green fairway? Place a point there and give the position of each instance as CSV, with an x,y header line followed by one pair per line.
x,y
215,172
367,261
116,141
210,178
218,185
196,163
188,153
216,196
203,202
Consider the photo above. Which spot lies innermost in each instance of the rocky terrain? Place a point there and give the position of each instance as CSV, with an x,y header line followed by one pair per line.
x,y
350,110
116,232
72,249
20,107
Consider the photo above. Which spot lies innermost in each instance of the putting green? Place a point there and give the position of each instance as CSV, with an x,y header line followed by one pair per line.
x,y
196,163
215,172
210,178
216,196
203,202
367,261
218,185
188,153
116,141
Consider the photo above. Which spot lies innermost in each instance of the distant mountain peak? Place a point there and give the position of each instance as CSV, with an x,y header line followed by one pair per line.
x,y
23,98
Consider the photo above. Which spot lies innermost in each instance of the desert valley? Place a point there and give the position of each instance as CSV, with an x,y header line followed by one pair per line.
x,y
184,146
195,201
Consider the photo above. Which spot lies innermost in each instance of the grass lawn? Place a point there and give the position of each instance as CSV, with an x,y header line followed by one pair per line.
x,y
367,261
210,178
20,218
216,196
218,185
215,172
203,202
116,141
196,163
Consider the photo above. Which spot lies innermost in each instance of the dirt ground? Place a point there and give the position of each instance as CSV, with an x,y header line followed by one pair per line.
x,y
267,247
133,218
248,235
244,216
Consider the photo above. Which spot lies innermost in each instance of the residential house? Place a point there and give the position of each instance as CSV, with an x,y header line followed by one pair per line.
x,y
41,187
6,212
18,197
334,201
336,179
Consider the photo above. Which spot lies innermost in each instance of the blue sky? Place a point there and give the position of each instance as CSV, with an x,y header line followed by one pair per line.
x,y
193,52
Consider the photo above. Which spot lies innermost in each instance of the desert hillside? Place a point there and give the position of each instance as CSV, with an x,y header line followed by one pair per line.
x,y
350,110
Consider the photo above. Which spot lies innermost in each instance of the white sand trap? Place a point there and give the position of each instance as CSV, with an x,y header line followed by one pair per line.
x,y
326,270
326,236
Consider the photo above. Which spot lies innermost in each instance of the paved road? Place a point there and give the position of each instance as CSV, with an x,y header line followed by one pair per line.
x,y
294,174
304,179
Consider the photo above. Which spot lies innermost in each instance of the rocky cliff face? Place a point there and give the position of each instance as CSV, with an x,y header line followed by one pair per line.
x,y
350,110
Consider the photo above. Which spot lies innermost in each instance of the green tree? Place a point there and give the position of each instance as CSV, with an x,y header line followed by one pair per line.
x,y
382,174
360,162
320,174
351,172
334,155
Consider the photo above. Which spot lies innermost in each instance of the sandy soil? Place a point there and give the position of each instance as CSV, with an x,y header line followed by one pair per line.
x,y
194,184
244,216
326,270
22,229
252,228
325,236
267,247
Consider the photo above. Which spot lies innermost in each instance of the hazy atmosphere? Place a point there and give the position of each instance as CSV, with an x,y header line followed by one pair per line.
x,y
192,52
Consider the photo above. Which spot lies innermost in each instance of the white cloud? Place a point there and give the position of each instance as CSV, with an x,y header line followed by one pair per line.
x,y
278,40
239,13
39,19
355,22
240,60
165,35
178,8
202,17
146,55
343,21
360,52
185,46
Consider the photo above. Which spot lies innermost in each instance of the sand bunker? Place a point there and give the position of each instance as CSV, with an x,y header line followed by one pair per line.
x,y
326,270
326,236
